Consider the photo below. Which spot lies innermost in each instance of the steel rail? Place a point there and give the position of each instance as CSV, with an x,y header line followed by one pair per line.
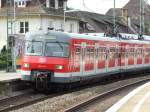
x,y
23,93
28,102
33,100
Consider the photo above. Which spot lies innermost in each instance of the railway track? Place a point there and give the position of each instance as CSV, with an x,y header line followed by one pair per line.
x,y
80,107
23,100
29,98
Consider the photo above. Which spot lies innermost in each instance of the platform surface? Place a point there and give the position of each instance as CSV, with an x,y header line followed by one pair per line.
x,y
6,77
136,101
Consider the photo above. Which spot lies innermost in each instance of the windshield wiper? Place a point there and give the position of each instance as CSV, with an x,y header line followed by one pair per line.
x,y
59,45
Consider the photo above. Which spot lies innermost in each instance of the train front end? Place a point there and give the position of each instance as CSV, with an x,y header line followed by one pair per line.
x,y
46,56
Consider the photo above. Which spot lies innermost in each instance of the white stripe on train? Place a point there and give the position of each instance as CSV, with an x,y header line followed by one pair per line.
x,y
91,72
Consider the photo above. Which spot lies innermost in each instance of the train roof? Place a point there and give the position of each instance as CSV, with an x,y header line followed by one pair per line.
x,y
41,35
90,37
66,37
100,36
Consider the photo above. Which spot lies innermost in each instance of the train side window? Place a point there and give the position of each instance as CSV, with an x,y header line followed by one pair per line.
x,y
92,51
112,53
135,52
131,52
149,52
101,53
117,53
122,51
88,54
96,53
91,54
77,53
139,51
146,52
143,51
107,53
57,49
127,52
77,50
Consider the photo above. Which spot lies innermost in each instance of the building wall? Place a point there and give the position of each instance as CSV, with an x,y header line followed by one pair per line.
x,y
3,31
0,3
36,22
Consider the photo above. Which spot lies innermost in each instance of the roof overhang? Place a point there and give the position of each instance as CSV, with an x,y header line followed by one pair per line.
x,y
40,14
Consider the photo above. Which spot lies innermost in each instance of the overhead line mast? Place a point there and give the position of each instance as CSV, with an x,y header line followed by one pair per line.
x,y
10,39
142,19
114,18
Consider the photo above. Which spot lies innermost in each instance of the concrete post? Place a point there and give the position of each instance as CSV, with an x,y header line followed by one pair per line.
x,y
5,89
48,3
0,3
56,4
114,17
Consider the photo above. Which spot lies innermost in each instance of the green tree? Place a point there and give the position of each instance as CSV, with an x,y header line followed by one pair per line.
x,y
3,58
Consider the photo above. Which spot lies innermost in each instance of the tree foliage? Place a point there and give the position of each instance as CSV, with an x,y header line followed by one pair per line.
x,y
3,58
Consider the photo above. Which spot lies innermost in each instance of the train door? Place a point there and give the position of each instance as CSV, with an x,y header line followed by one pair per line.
x,y
82,61
126,56
102,58
143,56
112,58
135,56
117,58
107,58
146,60
96,58
119,55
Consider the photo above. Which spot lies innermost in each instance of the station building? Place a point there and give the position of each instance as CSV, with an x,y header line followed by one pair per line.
x,y
33,14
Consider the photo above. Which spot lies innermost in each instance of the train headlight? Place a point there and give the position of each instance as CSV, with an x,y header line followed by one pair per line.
x,y
59,67
26,65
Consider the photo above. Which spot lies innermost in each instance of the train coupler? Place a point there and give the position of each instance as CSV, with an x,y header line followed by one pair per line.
x,y
42,81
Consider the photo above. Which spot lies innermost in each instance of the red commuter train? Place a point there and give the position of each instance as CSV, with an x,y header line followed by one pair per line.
x,y
63,58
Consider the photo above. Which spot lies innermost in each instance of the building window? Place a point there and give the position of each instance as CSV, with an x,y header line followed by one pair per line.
x,y
24,27
62,26
71,28
21,3
52,3
60,3
51,25
77,54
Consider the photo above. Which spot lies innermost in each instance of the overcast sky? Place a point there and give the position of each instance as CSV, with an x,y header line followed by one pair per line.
x,y
99,6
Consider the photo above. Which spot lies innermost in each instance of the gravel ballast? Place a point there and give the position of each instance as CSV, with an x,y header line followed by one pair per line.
x,y
60,103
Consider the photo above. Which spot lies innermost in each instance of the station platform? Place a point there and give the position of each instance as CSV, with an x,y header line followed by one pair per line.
x,y
9,82
137,100
6,77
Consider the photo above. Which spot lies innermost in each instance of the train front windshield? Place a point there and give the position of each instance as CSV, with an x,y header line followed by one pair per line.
x,y
50,49
33,48
57,49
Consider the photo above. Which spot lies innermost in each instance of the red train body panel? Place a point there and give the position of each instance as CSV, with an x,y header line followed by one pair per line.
x,y
67,58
